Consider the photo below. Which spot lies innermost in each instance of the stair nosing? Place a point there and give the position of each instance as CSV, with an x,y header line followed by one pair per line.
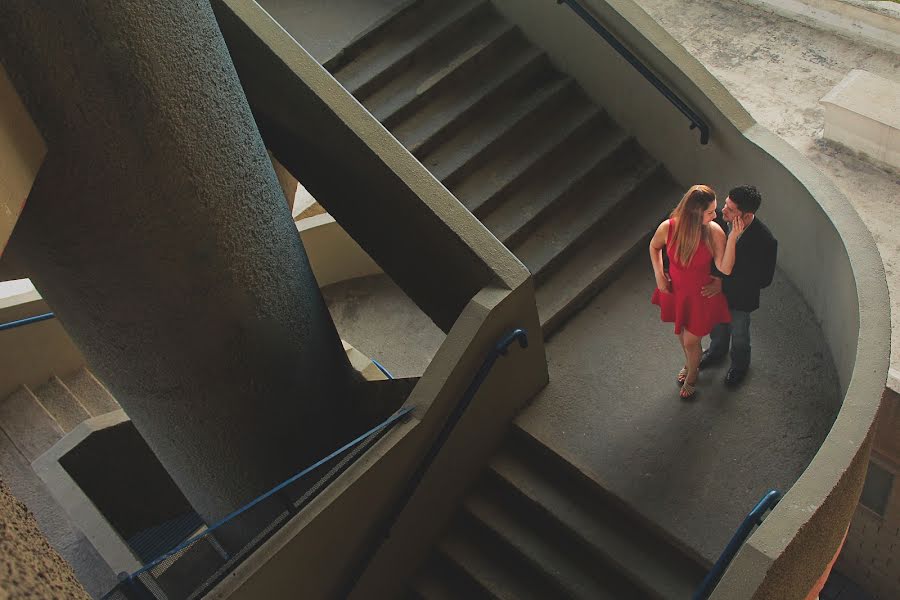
x,y
617,141
453,19
438,80
546,268
484,205
546,95
551,571
530,59
627,568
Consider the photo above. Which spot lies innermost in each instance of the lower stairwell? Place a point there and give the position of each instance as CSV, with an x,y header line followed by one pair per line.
x,y
535,527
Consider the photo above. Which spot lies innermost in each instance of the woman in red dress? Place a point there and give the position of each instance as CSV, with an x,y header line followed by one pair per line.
x,y
693,242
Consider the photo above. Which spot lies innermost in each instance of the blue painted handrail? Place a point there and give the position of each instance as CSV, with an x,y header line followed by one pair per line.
x,y
693,117
26,321
500,349
737,540
382,369
132,579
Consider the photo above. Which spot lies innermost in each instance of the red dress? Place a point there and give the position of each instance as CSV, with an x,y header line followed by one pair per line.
x,y
686,306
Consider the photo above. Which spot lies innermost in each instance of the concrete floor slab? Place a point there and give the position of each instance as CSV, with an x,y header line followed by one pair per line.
x,y
697,467
379,320
325,27
779,69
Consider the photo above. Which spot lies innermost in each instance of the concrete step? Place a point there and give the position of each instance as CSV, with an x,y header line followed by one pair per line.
x,y
494,131
439,579
489,184
28,424
443,66
601,526
370,36
90,392
62,404
440,117
616,240
618,179
487,562
539,547
581,157
393,48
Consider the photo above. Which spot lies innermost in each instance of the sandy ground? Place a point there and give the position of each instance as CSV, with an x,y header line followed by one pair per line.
x,y
779,69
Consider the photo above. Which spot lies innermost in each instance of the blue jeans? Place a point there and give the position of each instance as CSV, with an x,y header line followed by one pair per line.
x,y
738,333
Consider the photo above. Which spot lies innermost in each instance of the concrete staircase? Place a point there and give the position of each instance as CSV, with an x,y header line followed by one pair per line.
x,y
536,527
36,419
573,196
515,140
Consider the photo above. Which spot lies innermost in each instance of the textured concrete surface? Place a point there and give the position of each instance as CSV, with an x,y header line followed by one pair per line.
x,y
779,69
379,320
325,27
172,259
29,567
695,468
61,533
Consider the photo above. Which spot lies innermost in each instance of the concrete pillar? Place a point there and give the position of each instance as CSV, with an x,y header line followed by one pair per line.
x,y
158,232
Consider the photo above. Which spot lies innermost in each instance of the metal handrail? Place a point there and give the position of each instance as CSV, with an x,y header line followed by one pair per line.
x,y
26,321
132,579
381,368
499,349
696,121
737,540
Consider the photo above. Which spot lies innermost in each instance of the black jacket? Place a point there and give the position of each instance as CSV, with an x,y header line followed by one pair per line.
x,y
754,266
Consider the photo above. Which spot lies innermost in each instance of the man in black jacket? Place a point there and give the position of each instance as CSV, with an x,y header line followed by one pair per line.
x,y
753,270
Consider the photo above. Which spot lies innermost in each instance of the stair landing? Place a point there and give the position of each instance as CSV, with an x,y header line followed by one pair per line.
x,y
694,468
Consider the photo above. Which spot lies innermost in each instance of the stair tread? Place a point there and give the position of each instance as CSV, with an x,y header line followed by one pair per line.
x,y
610,247
581,156
29,426
572,581
620,539
93,396
559,234
490,127
437,68
441,580
62,404
470,548
398,43
439,114
485,186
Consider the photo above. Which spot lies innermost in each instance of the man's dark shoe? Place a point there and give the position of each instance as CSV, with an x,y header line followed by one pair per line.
x,y
734,377
709,360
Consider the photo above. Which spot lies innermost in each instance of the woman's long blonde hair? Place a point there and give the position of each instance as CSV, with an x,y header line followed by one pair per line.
x,y
689,227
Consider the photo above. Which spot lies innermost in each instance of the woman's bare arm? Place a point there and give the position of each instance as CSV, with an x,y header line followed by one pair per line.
x,y
657,243
725,250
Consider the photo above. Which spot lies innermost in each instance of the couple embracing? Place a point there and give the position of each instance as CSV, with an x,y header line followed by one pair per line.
x,y
715,273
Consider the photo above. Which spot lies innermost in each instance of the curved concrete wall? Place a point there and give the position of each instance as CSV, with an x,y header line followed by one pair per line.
x,y
824,249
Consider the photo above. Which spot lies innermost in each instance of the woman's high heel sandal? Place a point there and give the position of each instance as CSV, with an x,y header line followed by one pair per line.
x,y
687,389
682,375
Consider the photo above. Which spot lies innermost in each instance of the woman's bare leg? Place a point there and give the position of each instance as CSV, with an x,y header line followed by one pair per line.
x,y
692,351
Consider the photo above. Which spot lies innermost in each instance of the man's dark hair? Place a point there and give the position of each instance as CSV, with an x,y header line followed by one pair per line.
x,y
746,197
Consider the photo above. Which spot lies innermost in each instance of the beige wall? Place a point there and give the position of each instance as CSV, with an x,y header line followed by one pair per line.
x,y
333,255
824,249
22,151
32,353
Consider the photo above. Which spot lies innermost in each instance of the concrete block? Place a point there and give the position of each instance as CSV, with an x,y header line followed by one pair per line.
x,y
862,112
28,424
62,404
91,393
